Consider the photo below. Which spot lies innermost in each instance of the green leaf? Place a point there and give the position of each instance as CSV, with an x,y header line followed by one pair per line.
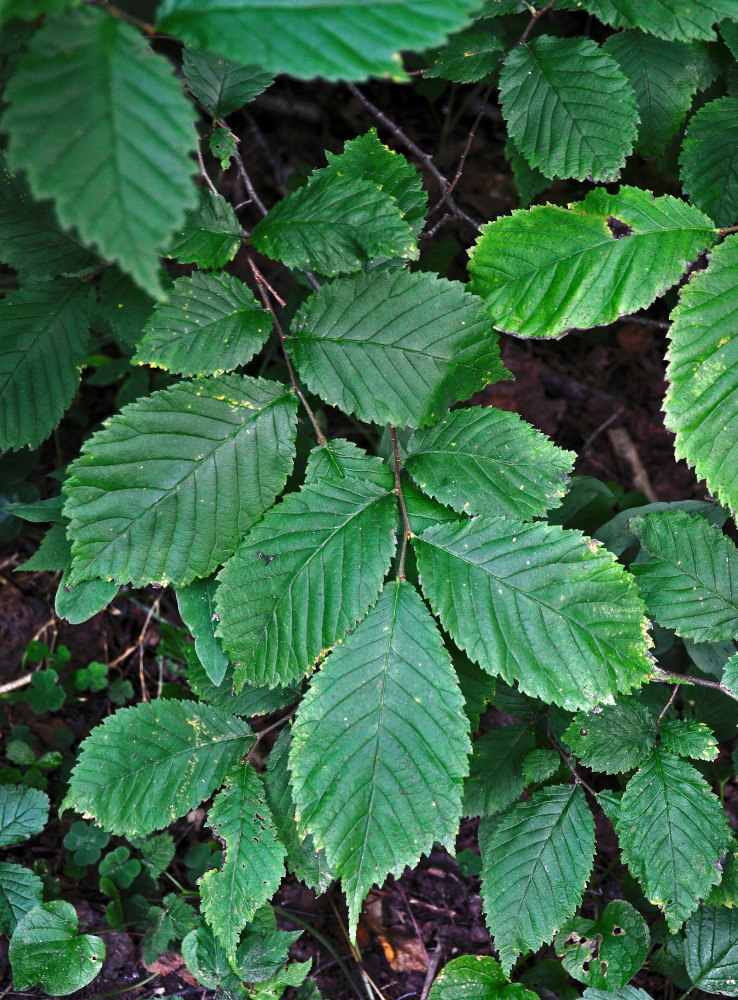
x,y
211,324
78,602
30,9
664,78
386,700
670,19
672,834
23,813
206,958
85,842
690,582
47,949
211,235
569,108
624,993
124,306
223,146
529,181
489,461
157,852
248,702
711,950
335,39
369,159
396,347
196,603
476,977
146,766
20,891
730,675
254,858
537,604
709,167
535,867
309,865
615,739
305,574
222,86
616,536
496,770
547,270
52,555
689,738
33,241
43,346
477,687
100,125
702,400
605,953
540,765
468,56
335,224
120,867
165,491
337,459
173,920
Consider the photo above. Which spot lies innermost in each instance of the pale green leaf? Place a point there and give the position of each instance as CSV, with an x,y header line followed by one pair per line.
x,y
100,124
305,574
489,461
396,347
47,949
535,867
222,86
690,582
730,675
702,400
20,891
23,813
689,738
547,270
368,158
146,766
615,739
78,602
569,108
664,78
43,346
496,769
254,857
309,865
709,164
196,603
33,241
210,236
476,977
387,703
539,605
335,224
335,39
211,324
670,19
165,491
607,952
468,56
672,834
711,950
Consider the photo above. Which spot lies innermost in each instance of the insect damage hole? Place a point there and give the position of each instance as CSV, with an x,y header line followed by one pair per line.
x,y
618,228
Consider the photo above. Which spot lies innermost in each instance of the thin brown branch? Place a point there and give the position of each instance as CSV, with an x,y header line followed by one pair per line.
x,y
727,231
666,707
467,148
250,189
425,158
203,172
532,23
669,676
658,324
406,532
269,729
264,288
568,761
19,682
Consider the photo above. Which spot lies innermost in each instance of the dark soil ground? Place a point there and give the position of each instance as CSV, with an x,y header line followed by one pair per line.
x,y
579,391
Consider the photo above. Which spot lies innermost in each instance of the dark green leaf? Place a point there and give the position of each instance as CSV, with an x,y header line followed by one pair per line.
x,y
709,169
476,977
711,950
47,949
496,770
608,952
222,86
20,891
211,234
468,56
23,813
615,739
196,603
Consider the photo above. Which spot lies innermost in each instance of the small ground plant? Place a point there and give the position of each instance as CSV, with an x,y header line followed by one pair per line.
x,y
373,591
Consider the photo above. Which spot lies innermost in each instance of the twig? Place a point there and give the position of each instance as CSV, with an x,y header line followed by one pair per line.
x,y
666,707
644,321
418,153
662,676
418,935
269,729
531,24
250,189
567,760
727,231
19,682
368,984
203,172
154,609
430,975
263,293
441,222
322,940
406,532
626,451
